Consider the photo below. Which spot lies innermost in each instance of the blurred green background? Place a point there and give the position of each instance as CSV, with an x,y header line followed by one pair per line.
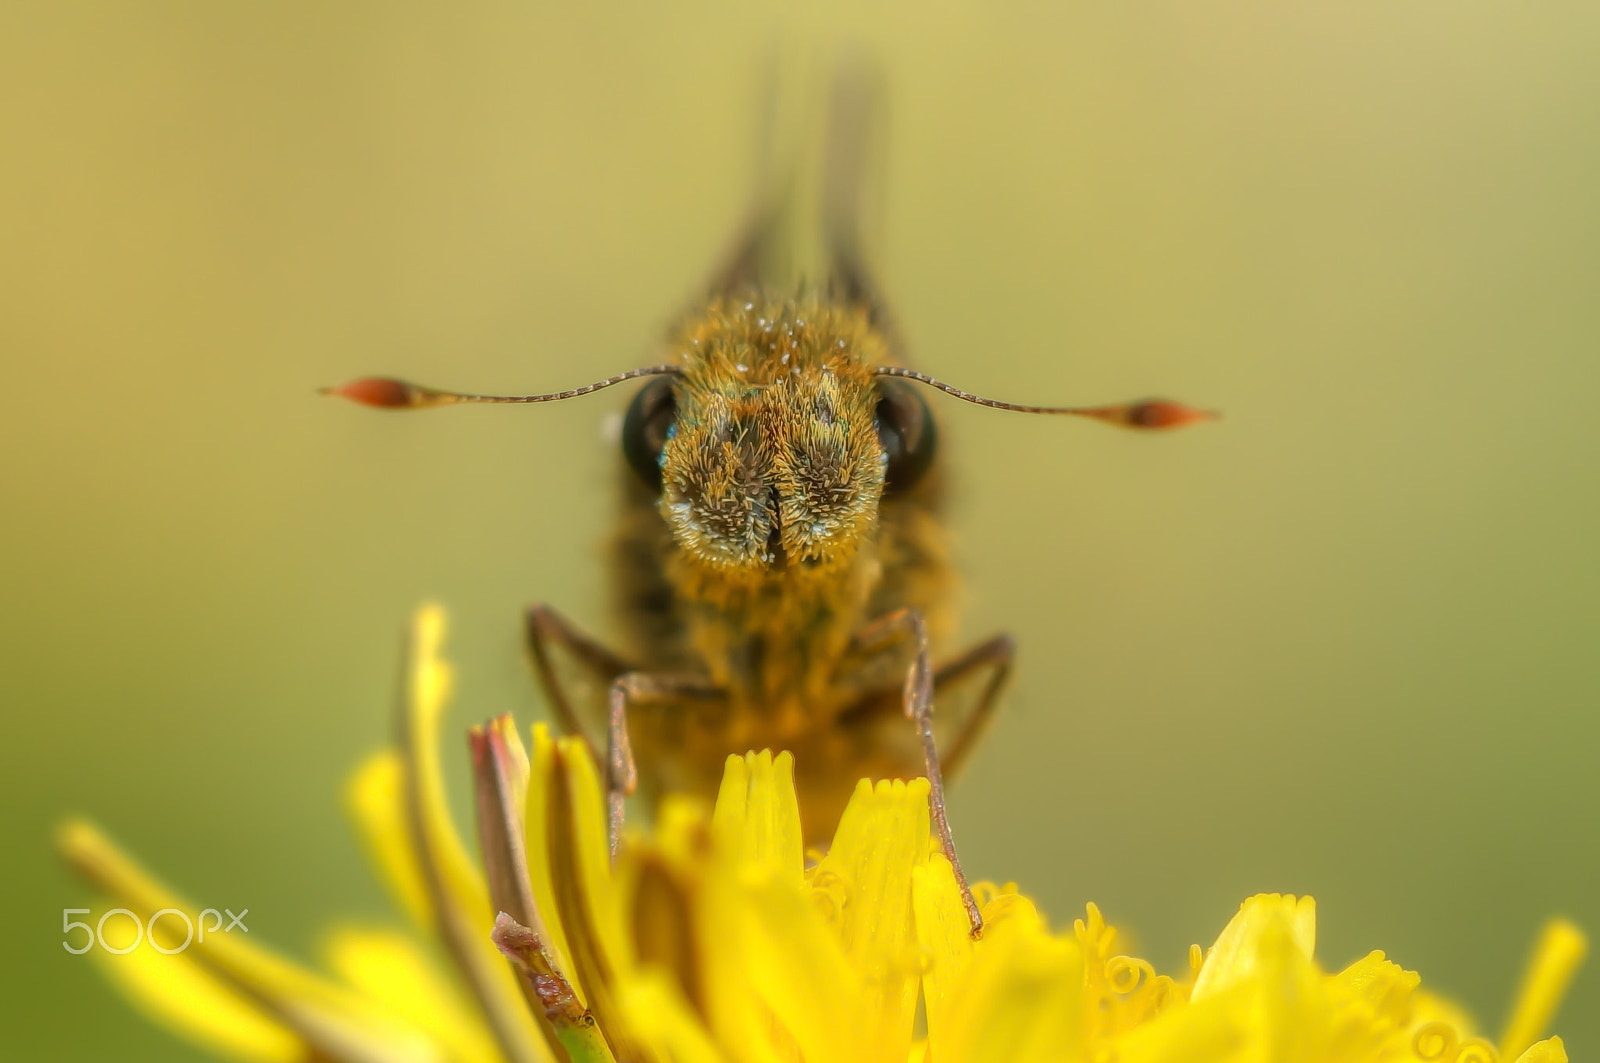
x,y
1343,643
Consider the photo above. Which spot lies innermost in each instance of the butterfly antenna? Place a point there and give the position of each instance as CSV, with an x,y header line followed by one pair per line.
x,y
389,393
1147,413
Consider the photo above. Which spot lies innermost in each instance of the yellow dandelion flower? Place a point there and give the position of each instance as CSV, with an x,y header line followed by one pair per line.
x,y
713,940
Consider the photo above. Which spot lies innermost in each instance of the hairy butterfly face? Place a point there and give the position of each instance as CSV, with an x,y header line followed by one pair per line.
x,y
775,444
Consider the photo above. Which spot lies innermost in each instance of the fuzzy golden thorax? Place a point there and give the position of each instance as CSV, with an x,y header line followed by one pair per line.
x,y
773,469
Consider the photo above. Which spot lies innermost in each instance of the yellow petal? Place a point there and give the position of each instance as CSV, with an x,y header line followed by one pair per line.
x,y
178,994
585,901
665,1023
1377,985
376,805
399,977
1237,951
944,936
1261,968
327,1017
1021,999
1550,1050
776,969
756,820
445,853
782,985
1373,1003
457,893
1555,960
541,859
883,835
1212,1031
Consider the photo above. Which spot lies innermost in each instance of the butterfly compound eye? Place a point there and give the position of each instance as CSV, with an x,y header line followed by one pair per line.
x,y
646,426
907,434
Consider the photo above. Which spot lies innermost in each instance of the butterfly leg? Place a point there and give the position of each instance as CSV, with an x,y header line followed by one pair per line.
x,y
547,629
639,690
917,701
994,656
